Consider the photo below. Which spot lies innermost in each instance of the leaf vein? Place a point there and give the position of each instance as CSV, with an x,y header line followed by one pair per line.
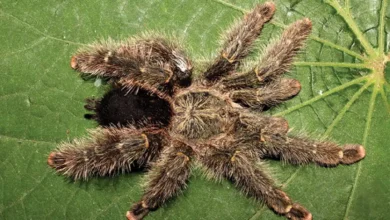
x,y
329,92
230,5
25,140
365,136
345,14
21,198
36,30
381,43
346,108
333,64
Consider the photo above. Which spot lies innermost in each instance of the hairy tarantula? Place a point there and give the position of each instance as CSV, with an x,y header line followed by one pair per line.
x,y
157,117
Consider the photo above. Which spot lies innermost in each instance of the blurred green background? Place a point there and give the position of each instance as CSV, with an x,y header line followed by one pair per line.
x,y
42,98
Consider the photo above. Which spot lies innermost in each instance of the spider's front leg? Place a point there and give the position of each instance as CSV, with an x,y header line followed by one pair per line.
x,y
109,151
270,136
240,165
165,180
238,42
268,95
262,86
298,150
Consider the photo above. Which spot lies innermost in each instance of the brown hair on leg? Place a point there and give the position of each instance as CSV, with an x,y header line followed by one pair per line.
x,y
165,180
241,166
107,152
238,41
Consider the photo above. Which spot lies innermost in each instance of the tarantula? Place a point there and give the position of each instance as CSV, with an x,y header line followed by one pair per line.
x,y
156,116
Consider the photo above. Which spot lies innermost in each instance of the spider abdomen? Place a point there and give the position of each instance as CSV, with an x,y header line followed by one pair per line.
x,y
139,108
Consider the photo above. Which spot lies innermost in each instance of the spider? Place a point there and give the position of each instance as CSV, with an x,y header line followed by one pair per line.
x,y
158,117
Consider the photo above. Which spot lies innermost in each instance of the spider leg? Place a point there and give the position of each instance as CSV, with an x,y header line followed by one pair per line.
x,y
268,95
270,136
297,150
107,152
241,166
154,62
276,60
250,124
165,180
91,104
238,42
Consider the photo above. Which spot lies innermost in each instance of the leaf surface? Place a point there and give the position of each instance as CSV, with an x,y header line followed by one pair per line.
x,y
343,73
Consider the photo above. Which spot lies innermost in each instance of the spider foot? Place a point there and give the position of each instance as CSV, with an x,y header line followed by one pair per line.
x,y
352,153
138,211
56,160
298,212
91,104
294,87
282,203
73,62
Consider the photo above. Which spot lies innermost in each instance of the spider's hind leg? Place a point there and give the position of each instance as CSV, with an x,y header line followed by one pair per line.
x,y
107,152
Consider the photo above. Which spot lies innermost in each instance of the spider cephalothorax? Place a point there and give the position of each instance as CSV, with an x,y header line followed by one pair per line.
x,y
157,117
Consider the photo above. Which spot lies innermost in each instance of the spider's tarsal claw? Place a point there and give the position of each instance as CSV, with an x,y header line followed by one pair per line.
x,y
50,159
131,216
138,211
283,127
352,153
73,62
307,21
303,26
91,104
295,87
282,203
268,10
90,116
56,160
298,212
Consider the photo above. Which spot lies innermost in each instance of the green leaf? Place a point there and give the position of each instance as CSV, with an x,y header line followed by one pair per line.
x,y
344,95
